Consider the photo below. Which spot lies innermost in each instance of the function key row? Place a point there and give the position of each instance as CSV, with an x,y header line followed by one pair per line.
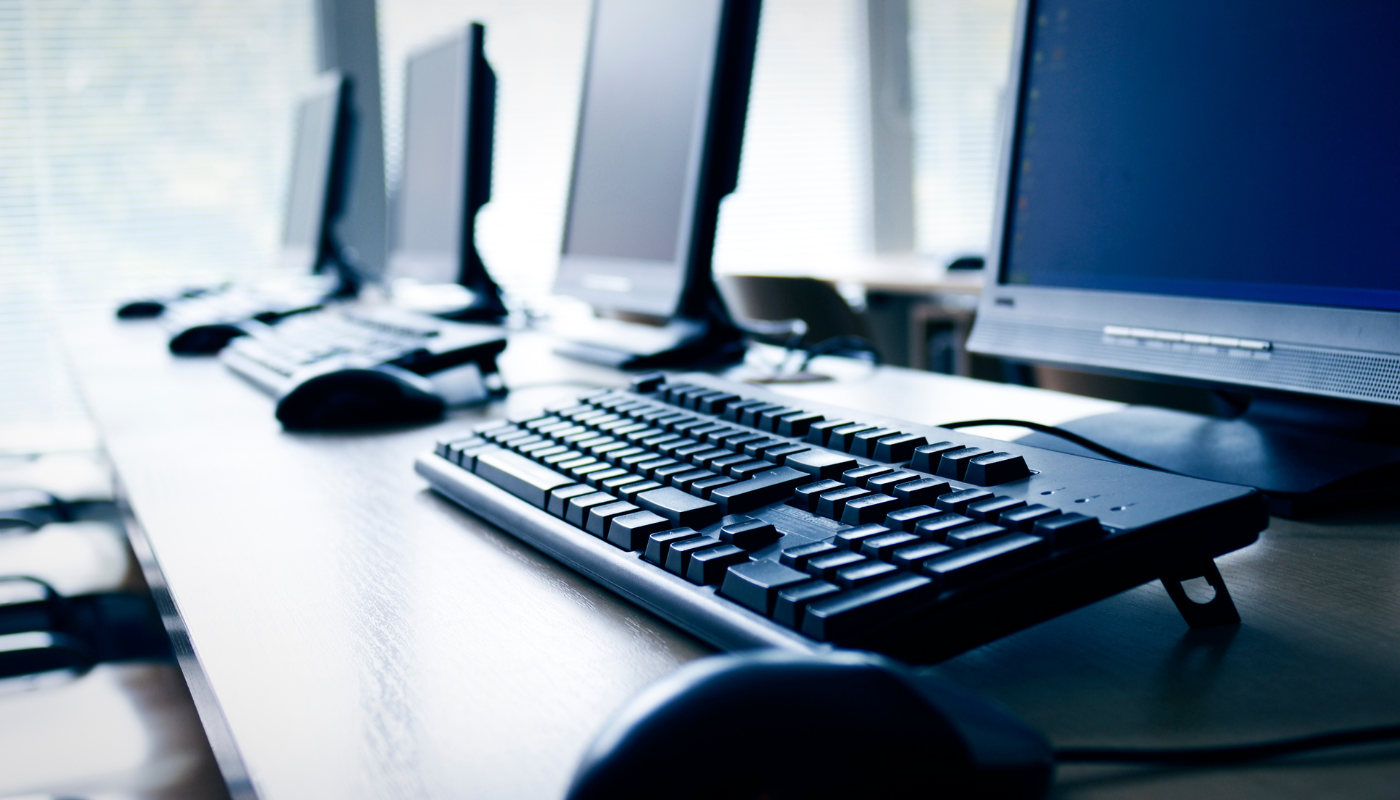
x,y
945,459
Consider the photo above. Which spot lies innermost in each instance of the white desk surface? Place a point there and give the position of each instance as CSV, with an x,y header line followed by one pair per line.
x,y
347,633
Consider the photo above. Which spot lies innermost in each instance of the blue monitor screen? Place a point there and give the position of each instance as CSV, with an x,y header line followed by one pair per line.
x,y
1247,149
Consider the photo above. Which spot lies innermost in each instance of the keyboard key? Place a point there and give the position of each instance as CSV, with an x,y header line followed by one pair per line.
x,y
976,533
871,508
559,498
957,502
576,509
519,475
905,519
911,556
825,567
766,419
597,467
684,510
678,557
630,491
684,480
595,479
818,433
752,535
884,545
926,458
630,531
650,466
772,486
1024,519
669,449
715,403
646,384
830,504
705,459
758,448
705,486
863,443
842,616
708,566
953,464
861,574
750,468
615,457
792,601
667,473
600,516
805,497
797,557
851,538
780,455
752,415
897,449
843,437
997,468
937,528
922,492
1068,530
991,510
732,411
970,564
724,463
796,423
886,483
659,544
755,584
859,475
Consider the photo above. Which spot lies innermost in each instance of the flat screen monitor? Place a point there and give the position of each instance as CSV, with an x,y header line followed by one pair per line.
x,y
1204,191
655,149
449,111
317,174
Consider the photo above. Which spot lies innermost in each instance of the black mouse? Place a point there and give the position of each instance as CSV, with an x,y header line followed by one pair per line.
x,y
141,309
346,399
784,726
204,340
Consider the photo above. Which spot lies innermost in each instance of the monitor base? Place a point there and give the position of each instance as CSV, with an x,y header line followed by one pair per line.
x,y
678,344
1302,455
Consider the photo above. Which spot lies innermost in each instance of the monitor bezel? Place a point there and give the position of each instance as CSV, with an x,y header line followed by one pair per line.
x,y
332,85
1013,319
653,289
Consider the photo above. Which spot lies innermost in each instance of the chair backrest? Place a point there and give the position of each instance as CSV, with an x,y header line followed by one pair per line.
x,y
815,302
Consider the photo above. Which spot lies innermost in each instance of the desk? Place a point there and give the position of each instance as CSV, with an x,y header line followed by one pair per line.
x,y
347,633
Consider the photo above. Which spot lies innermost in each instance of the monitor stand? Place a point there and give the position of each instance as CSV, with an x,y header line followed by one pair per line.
x,y
1307,455
633,342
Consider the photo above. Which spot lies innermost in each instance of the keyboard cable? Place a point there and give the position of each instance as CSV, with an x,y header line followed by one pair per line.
x,y
1228,754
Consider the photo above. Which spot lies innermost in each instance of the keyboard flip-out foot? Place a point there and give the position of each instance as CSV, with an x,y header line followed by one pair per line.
x,y
1219,610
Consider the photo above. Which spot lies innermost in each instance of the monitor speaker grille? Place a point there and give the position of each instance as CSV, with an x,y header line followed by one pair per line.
x,y
1335,373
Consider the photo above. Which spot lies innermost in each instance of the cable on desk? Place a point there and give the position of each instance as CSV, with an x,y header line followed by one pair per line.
x,y
1088,444
1228,754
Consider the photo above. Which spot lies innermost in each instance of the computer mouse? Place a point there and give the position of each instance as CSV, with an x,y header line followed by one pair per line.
x,y
204,340
141,309
781,725
346,399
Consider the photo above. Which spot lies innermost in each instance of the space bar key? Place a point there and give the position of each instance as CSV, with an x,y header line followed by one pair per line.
x,y
519,475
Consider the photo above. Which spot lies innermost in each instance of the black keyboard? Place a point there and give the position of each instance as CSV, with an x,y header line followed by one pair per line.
x,y
279,357
238,304
753,519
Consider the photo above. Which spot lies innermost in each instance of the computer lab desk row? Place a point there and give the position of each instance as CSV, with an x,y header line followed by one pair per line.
x,y
347,633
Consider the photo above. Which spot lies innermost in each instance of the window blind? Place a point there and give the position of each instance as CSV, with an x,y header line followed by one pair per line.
x,y
960,54
142,143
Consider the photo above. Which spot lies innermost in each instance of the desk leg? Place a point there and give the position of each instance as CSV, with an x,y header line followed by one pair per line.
x,y
1220,610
